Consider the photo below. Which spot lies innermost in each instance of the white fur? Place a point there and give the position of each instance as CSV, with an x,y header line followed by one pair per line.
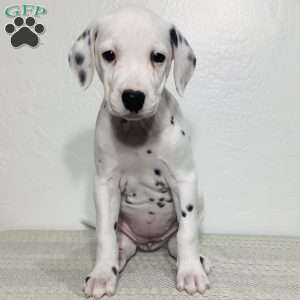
x,y
121,149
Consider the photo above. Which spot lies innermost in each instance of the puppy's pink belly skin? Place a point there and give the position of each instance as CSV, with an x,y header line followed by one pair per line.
x,y
147,213
148,224
144,231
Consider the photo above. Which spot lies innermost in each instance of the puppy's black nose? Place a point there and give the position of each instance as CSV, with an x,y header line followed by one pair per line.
x,y
133,100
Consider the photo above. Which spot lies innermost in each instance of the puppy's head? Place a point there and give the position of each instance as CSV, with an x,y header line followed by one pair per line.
x,y
132,51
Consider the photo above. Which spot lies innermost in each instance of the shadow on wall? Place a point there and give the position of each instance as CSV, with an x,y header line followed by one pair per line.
x,y
79,158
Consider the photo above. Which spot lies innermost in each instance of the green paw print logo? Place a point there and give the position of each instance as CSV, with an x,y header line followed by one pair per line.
x,y
25,29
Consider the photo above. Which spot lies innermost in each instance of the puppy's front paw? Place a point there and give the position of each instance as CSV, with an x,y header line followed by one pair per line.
x,y
101,282
192,278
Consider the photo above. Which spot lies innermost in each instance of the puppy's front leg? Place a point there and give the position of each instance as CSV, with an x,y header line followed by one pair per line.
x,y
103,279
191,276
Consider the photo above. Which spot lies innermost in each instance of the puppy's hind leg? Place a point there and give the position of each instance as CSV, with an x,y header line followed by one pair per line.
x,y
127,249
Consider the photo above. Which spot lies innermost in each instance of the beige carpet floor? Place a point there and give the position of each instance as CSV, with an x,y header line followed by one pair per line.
x,y
44,265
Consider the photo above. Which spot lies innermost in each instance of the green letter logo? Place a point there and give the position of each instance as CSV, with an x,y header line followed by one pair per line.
x,y
12,11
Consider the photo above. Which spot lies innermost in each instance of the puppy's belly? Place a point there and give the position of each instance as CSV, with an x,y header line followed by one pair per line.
x,y
147,212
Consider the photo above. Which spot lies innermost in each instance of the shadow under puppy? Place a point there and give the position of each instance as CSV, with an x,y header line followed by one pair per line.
x,y
145,183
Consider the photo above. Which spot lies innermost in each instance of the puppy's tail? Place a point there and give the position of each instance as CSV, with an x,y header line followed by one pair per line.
x,y
88,223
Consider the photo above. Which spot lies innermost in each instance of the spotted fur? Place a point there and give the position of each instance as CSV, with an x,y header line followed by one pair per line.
x,y
145,182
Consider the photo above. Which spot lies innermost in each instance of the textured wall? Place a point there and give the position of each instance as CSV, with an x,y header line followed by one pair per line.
x,y
243,105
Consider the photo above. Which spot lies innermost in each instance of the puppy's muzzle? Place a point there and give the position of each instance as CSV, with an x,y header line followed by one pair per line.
x,y
133,100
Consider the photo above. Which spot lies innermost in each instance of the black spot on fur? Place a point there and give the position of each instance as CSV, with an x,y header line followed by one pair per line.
x,y
79,58
89,41
159,204
82,77
69,59
183,213
190,207
157,172
182,132
173,37
163,190
169,200
192,58
115,225
180,37
151,213
134,195
84,34
95,35
162,187
149,151
114,269
161,199
128,201
186,42
151,199
172,120
87,279
202,260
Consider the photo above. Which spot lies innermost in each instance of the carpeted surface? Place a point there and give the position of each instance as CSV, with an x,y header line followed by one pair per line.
x,y
44,265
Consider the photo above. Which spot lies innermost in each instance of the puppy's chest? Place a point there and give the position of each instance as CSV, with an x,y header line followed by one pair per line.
x,y
145,186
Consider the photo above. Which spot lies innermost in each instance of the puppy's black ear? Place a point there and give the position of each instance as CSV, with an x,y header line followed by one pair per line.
x,y
82,56
184,60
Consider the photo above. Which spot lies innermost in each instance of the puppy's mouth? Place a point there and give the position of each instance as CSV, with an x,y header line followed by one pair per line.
x,y
133,116
138,116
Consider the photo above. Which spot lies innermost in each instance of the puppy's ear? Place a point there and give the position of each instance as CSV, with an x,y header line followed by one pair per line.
x,y
184,60
82,56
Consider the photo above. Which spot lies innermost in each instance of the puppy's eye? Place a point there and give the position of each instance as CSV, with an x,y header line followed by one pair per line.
x,y
157,57
109,56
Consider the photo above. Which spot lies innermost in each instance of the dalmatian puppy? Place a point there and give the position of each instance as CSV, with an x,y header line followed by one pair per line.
x,y
145,183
